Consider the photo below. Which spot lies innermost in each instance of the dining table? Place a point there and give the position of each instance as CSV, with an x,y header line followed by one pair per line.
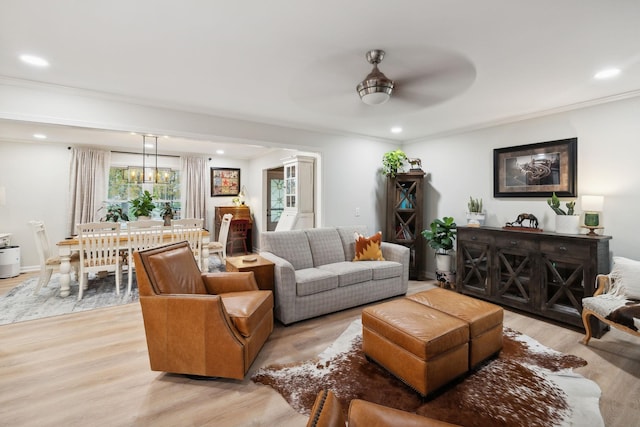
x,y
72,244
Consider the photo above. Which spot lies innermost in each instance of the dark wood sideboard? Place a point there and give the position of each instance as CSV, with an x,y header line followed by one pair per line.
x,y
543,273
238,212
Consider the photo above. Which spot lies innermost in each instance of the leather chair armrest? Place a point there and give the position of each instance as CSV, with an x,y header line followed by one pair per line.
x,y
185,331
366,414
222,283
326,411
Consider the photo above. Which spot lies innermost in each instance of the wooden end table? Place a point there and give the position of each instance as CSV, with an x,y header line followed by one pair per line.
x,y
261,267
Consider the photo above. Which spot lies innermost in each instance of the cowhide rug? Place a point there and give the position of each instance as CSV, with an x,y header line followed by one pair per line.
x,y
528,385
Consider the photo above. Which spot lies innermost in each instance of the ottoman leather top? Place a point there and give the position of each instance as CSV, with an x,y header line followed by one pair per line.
x,y
423,331
480,315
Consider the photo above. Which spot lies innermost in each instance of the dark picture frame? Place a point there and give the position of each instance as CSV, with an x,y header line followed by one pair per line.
x,y
536,170
225,182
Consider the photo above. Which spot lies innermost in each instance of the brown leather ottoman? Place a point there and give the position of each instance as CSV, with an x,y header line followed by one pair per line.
x,y
424,347
484,319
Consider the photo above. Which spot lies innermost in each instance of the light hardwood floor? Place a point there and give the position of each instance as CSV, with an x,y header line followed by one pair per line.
x,y
91,368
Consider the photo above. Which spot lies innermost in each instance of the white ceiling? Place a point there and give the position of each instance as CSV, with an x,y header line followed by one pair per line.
x,y
458,64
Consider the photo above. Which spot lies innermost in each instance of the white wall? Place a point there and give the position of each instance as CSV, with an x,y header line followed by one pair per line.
x,y
608,151
36,178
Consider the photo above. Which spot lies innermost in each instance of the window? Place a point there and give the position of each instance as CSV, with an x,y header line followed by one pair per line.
x,y
126,183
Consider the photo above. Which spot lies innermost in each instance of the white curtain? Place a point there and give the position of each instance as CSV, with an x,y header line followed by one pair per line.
x,y
88,185
195,187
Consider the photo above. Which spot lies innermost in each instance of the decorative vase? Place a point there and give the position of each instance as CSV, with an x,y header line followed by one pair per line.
x,y
475,218
443,262
143,218
167,219
568,224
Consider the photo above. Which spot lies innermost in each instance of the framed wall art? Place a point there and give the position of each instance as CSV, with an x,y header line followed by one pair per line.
x,y
536,170
225,182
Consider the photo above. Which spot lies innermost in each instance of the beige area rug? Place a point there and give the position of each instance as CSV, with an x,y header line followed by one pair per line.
x,y
20,304
527,385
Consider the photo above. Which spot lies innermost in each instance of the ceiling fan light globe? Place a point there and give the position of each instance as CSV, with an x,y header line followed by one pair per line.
x,y
375,98
375,92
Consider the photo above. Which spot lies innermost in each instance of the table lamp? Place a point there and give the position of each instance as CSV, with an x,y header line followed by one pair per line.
x,y
592,206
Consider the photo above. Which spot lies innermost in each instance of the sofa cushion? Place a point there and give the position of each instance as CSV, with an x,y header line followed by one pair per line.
x,y
290,245
368,248
348,242
326,246
626,273
385,269
349,273
311,281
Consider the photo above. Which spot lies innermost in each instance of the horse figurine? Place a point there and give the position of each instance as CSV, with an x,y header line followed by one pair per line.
x,y
533,221
415,163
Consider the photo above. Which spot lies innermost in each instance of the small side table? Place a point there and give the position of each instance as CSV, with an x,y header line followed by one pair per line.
x,y
261,267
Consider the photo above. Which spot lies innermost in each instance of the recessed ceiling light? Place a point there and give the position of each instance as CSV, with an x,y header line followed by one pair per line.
x,y
34,60
40,136
607,73
219,151
396,129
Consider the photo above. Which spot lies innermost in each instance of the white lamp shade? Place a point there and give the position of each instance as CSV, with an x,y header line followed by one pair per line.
x,y
3,196
592,203
375,98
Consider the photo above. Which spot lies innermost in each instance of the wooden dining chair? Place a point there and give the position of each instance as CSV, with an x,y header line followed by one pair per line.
x,y
48,262
99,244
189,229
141,235
220,247
238,234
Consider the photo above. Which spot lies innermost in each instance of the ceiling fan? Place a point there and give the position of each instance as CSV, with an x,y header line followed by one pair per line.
x,y
423,76
376,88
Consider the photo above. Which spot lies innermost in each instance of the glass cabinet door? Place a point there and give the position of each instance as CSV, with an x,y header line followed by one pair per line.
x,y
290,186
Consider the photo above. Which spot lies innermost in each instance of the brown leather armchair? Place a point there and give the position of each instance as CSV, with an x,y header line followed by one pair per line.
x,y
206,324
327,412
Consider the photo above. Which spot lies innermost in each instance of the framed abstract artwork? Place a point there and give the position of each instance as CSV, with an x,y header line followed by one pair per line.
x,y
536,170
225,182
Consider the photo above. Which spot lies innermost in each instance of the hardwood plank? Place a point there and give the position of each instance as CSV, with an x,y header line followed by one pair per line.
x,y
92,368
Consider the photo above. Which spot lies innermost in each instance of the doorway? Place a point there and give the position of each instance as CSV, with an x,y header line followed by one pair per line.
x,y
275,196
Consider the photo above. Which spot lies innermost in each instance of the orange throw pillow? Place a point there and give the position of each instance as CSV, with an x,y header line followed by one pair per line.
x,y
368,248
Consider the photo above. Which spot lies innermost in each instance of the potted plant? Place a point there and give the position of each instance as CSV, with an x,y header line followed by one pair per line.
x,y
393,162
475,214
566,221
114,214
167,213
142,206
440,236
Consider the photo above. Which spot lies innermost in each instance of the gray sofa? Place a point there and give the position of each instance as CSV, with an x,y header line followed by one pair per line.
x,y
315,274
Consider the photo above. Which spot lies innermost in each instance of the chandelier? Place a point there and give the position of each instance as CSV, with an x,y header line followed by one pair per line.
x,y
152,176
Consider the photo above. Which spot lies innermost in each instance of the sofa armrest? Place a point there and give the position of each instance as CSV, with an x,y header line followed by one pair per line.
x,y
284,281
222,283
363,413
395,252
284,275
400,254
